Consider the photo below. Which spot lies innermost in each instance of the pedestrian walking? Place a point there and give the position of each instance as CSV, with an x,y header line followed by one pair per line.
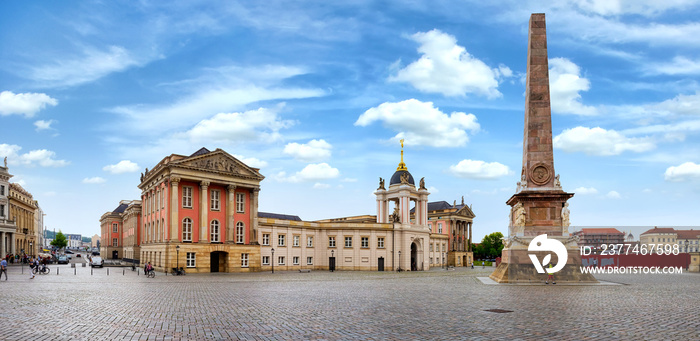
x,y
32,265
3,268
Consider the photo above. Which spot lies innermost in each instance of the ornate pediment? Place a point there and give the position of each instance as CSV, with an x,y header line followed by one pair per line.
x,y
220,162
465,211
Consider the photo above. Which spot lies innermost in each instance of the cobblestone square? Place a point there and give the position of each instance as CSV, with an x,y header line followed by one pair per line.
x,y
432,305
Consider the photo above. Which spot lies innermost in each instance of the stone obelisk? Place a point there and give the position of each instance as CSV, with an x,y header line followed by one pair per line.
x,y
539,204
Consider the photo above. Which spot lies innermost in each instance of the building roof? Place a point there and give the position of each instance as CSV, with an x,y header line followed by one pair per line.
x,y
201,151
278,216
601,230
688,234
660,230
396,178
121,208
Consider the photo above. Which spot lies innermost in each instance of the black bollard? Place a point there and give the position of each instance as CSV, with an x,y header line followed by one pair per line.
x,y
90,271
57,269
122,272
75,271
107,271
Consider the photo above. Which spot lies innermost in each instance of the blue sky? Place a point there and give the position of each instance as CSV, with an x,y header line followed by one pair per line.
x,y
318,94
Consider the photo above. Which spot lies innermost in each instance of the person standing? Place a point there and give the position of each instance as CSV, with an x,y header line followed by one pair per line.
x,y
34,264
3,268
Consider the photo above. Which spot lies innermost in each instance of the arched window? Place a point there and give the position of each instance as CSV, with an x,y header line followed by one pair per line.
x,y
239,232
214,228
187,230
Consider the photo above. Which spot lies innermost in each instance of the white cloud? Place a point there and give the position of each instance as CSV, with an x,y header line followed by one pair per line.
x,y
585,190
26,104
447,68
565,84
124,166
613,195
598,141
681,105
433,190
684,172
44,125
314,151
251,161
93,64
348,180
312,172
41,157
678,66
475,169
419,123
319,185
219,90
94,180
261,125
618,7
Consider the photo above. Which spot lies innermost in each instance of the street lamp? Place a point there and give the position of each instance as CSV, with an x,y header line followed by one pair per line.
x,y
273,259
30,247
177,258
332,257
399,261
21,260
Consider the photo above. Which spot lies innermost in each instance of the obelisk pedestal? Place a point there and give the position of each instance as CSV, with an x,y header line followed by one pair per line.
x,y
539,204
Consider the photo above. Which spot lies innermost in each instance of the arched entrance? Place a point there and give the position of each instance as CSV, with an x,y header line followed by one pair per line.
x,y
414,256
218,261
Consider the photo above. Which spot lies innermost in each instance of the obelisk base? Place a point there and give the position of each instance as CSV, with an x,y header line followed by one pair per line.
x,y
517,267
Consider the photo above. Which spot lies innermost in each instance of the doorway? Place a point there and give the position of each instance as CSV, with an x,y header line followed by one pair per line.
x,y
115,254
331,264
414,257
218,261
380,264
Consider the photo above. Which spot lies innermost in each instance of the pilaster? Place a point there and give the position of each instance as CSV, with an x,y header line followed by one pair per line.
x,y
203,212
174,205
230,209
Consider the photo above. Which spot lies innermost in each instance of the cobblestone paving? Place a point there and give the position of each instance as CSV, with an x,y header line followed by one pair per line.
x,y
432,305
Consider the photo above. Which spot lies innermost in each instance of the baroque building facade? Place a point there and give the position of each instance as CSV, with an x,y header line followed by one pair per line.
x,y
22,210
200,213
687,240
8,226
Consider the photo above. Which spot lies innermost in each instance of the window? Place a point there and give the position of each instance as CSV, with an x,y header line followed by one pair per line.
x,y
348,241
439,227
280,260
266,239
431,247
239,232
331,241
295,241
443,247
380,242
309,241
187,230
214,229
2,190
2,210
244,260
280,240
365,242
430,227
215,200
266,260
309,260
190,260
162,203
114,242
295,260
187,197
431,260
240,202
115,227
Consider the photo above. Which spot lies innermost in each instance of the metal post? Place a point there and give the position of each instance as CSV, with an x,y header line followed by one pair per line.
x,y
272,261
177,258
399,260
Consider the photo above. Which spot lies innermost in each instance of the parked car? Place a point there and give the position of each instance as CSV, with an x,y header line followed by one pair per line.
x,y
95,253
77,255
69,252
62,259
97,261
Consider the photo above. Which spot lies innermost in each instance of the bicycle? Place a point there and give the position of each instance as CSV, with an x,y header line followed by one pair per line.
x,y
41,269
151,274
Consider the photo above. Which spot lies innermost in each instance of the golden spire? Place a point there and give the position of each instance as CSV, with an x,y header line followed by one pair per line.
x,y
402,166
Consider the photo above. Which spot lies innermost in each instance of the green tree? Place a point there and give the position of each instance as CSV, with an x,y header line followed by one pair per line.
x,y
60,240
492,245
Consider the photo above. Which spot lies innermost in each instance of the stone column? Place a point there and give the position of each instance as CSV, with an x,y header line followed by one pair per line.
x,y
203,212
254,219
174,205
230,209
13,245
469,246
3,252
